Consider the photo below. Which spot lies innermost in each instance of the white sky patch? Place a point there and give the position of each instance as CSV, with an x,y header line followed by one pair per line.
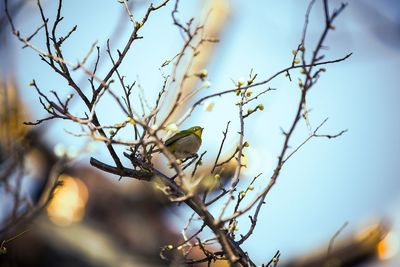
x,y
257,161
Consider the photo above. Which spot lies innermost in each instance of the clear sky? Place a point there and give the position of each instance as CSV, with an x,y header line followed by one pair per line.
x,y
354,178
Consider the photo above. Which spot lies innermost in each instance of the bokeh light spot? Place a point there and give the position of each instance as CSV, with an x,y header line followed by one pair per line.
x,y
69,201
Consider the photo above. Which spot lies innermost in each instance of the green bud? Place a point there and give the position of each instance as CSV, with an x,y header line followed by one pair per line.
x,y
203,74
130,120
240,82
261,107
166,62
300,83
138,24
207,84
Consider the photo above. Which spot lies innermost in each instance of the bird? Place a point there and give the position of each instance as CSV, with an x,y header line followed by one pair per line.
x,y
185,143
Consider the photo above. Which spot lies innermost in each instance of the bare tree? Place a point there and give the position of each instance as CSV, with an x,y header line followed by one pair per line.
x,y
183,183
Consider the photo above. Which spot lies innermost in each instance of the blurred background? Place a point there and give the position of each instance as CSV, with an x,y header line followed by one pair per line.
x,y
97,220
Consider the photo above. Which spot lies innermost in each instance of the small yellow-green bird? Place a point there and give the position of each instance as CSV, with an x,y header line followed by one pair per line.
x,y
185,143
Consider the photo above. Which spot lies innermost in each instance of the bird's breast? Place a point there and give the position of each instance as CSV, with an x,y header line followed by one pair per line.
x,y
188,145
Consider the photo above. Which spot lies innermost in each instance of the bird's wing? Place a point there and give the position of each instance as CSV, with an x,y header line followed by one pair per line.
x,y
175,137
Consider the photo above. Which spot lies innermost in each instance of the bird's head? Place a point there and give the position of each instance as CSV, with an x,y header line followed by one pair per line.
x,y
197,130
